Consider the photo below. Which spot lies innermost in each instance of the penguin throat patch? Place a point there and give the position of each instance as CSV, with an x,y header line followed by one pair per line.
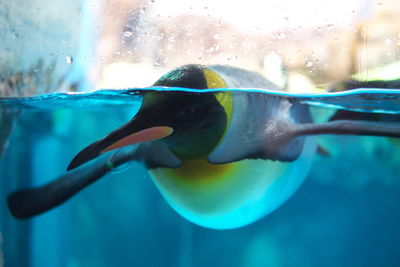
x,y
214,80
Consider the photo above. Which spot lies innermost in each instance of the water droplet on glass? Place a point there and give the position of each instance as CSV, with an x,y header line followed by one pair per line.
x,y
309,64
69,59
388,41
128,31
15,35
280,35
157,63
216,36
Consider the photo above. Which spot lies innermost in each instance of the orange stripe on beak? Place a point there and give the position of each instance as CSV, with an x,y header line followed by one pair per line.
x,y
150,134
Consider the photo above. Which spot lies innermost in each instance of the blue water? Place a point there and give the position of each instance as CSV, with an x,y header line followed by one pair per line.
x,y
345,214
362,99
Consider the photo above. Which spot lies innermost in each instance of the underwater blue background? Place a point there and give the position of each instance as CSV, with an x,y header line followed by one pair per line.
x,y
345,214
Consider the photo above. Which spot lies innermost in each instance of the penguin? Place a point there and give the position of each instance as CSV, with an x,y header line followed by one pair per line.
x,y
222,159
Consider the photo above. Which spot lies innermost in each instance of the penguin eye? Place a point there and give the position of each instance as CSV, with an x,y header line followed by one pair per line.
x,y
188,112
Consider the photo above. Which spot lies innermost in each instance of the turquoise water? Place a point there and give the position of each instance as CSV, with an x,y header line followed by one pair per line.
x,y
345,214
362,99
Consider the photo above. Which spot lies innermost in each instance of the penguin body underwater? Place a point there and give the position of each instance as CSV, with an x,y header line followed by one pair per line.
x,y
221,159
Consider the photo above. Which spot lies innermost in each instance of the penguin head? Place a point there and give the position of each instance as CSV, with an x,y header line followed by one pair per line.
x,y
189,123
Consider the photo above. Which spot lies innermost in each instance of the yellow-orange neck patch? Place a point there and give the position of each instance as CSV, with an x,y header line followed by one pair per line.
x,y
214,81
200,172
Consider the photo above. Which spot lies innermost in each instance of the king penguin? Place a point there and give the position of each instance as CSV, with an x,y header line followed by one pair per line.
x,y
221,159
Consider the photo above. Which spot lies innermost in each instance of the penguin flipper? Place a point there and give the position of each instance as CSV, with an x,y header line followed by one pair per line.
x,y
350,127
26,203
159,155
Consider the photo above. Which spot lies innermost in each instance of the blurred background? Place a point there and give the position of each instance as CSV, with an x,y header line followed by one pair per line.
x,y
346,213
319,42
126,43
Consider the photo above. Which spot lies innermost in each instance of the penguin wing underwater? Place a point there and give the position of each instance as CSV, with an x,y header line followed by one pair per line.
x,y
222,159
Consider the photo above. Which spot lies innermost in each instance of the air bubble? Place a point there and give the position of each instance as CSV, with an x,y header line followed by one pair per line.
x,y
309,64
69,59
128,31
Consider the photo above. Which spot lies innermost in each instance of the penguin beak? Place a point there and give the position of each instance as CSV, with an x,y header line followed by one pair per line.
x,y
131,133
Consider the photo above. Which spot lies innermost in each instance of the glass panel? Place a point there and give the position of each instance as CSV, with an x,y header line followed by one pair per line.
x,y
292,199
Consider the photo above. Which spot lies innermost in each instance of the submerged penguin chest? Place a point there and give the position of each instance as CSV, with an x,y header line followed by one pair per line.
x,y
210,194
223,196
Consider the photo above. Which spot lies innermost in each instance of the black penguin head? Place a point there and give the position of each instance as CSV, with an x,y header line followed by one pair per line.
x,y
190,123
188,76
